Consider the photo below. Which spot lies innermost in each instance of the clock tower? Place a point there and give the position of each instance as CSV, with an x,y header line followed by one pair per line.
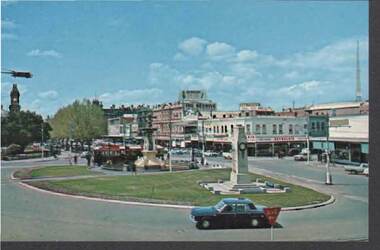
x,y
15,99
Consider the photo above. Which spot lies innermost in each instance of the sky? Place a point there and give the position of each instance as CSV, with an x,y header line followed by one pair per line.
x,y
135,52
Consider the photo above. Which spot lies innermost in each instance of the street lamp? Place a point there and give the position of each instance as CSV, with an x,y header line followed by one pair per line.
x,y
202,119
328,173
42,140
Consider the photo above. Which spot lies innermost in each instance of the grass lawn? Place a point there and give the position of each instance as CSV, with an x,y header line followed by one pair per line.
x,y
176,188
53,171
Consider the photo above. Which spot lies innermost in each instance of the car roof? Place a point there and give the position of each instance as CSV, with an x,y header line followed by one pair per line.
x,y
237,200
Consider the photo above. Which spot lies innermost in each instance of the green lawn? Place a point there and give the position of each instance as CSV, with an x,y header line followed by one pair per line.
x,y
53,171
176,188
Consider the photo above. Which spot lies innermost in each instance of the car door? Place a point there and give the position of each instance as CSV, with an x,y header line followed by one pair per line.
x,y
226,217
242,216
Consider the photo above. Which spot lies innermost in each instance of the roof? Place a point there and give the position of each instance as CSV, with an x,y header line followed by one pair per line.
x,y
334,105
237,200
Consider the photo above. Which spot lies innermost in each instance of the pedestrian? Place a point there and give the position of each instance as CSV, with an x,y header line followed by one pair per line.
x,y
88,158
134,169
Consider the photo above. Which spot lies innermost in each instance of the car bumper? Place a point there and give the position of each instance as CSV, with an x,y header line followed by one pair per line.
x,y
192,219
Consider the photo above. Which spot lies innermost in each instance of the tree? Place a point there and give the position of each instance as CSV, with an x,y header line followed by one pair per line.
x,y
23,128
81,120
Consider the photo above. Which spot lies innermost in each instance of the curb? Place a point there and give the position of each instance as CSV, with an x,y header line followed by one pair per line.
x,y
331,200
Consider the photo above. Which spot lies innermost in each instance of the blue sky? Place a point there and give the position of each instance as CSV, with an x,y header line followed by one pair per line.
x,y
272,52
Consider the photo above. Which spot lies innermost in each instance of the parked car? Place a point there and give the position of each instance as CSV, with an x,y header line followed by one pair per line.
x,y
229,212
356,169
227,155
211,154
293,151
366,172
300,157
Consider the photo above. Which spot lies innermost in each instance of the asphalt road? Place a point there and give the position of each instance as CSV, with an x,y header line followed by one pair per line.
x,y
30,215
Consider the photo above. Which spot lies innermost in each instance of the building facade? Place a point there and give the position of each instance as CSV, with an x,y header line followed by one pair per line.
x,y
266,135
123,127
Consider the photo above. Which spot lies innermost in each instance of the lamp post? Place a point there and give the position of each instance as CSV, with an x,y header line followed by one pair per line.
x,y
308,140
170,139
328,173
202,119
42,140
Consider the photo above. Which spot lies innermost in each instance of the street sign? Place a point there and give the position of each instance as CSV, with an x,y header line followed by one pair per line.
x,y
272,213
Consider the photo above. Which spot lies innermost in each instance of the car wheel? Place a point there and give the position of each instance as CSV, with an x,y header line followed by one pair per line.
x,y
255,222
203,224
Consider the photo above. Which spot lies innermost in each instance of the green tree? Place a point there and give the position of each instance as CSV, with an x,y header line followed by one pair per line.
x,y
23,128
81,120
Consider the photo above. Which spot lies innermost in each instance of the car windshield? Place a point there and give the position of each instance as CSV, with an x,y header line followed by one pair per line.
x,y
220,205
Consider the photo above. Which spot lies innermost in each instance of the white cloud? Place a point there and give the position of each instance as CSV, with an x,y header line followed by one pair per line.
x,y
8,24
193,46
8,36
44,53
246,55
301,89
50,94
219,50
291,75
179,57
138,96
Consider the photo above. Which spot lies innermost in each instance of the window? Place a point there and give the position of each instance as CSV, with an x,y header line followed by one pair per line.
x,y
217,129
305,126
227,209
246,114
240,208
264,129
280,131
274,129
291,129
232,128
222,129
248,128
251,206
318,126
258,129
313,126
322,125
225,129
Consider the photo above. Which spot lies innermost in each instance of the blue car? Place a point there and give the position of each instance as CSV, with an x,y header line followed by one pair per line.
x,y
230,212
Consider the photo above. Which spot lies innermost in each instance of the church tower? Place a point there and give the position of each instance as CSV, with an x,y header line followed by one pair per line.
x,y
15,99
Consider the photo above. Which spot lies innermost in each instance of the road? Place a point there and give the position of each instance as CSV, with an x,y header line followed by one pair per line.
x,y
30,215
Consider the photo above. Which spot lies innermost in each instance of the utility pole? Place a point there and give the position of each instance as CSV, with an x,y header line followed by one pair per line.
x,y
308,140
170,139
42,139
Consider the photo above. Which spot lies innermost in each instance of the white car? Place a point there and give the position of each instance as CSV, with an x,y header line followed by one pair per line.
x,y
365,172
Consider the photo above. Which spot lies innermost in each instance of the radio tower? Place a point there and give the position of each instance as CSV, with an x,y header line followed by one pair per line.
x,y
358,87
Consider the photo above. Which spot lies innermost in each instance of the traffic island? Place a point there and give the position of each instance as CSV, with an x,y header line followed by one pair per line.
x,y
53,171
179,188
